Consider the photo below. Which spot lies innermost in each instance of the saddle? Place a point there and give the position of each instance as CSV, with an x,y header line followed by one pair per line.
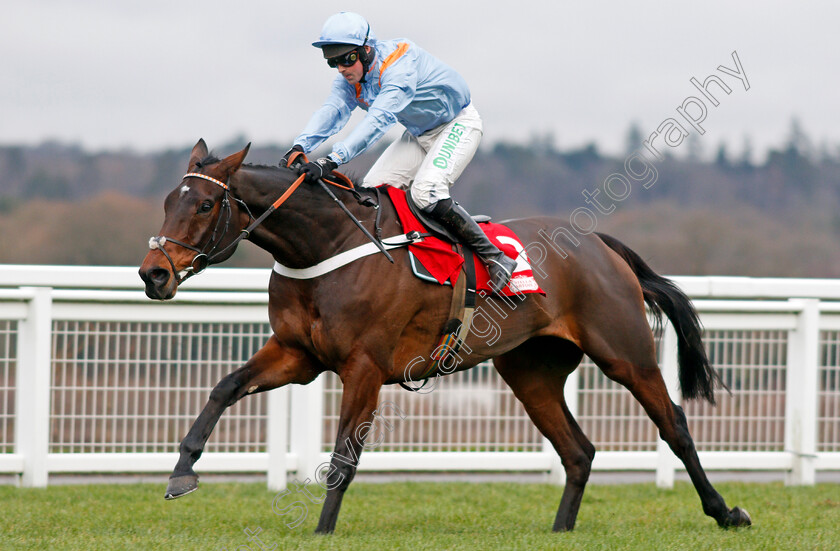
x,y
433,258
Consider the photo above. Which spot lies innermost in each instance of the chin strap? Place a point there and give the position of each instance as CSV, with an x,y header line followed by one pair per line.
x,y
365,57
367,61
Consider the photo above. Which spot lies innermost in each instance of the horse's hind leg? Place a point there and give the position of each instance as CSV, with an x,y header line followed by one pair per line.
x,y
272,366
628,357
536,371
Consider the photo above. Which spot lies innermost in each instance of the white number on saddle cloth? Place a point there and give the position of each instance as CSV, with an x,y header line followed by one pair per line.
x,y
521,258
522,278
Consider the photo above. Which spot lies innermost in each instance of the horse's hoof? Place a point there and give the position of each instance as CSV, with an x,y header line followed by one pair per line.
x,y
742,517
737,518
180,486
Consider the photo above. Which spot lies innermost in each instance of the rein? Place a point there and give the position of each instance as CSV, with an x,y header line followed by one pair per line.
x,y
204,258
350,187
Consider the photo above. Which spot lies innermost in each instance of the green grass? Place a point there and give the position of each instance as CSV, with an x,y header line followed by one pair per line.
x,y
416,516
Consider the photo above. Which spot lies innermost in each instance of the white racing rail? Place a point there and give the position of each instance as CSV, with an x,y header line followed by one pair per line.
x,y
95,377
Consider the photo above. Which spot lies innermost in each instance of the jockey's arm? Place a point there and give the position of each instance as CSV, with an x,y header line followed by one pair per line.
x,y
399,84
329,119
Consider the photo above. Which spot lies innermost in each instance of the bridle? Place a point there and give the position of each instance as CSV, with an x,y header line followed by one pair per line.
x,y
204,257
207,254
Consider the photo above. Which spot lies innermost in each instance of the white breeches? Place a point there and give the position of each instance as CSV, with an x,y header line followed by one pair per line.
x,y
431,162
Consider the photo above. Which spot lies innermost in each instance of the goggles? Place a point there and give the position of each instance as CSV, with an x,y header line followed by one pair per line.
x,y
346,60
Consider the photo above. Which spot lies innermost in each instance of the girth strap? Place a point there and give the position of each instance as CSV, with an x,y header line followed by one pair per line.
x,y
456,329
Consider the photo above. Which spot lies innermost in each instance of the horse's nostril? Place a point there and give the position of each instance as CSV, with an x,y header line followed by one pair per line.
x,y
159,276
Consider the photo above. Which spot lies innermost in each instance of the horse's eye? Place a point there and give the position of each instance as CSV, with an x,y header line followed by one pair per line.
x,y
206,206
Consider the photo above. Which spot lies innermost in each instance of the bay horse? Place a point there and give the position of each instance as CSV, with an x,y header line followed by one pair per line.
x,y
368,320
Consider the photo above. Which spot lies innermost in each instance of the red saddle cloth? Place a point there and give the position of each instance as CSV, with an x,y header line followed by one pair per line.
x,y
437,256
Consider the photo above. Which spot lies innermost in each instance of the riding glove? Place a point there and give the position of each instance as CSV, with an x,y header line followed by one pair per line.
x,y
314,171
284,162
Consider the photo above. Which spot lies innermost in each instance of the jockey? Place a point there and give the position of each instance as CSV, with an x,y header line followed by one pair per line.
x,y
396,81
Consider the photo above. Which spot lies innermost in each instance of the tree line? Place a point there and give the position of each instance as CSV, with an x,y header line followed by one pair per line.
x,y
718,214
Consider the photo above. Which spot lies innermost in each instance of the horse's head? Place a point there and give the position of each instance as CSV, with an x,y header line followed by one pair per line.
x,y
201,222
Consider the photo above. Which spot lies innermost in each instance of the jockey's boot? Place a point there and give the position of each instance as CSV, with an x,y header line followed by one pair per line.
x,y
455,219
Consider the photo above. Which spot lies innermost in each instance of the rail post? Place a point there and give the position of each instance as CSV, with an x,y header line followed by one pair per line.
x,y
277,441
32,399
801,400
307,427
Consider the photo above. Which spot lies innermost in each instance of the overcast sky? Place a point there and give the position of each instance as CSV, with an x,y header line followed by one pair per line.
x,y
154,74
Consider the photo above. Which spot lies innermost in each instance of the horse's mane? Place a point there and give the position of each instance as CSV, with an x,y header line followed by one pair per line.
x,y
211,159
357,181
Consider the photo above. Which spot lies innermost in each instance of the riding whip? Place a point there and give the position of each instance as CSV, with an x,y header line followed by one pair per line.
x,y
355,220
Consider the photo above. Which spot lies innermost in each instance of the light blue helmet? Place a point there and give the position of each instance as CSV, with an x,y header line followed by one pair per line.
x,y
343,30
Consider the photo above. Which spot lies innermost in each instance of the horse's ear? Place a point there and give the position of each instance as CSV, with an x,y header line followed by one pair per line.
x,y
231,164
199,152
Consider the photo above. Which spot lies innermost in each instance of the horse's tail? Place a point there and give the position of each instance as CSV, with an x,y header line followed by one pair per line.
x,y
697,377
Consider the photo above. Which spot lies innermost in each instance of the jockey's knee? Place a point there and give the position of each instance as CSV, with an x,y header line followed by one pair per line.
x,y
425,197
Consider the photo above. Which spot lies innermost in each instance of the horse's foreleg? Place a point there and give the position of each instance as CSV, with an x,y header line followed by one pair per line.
x,y
273,366
362,383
